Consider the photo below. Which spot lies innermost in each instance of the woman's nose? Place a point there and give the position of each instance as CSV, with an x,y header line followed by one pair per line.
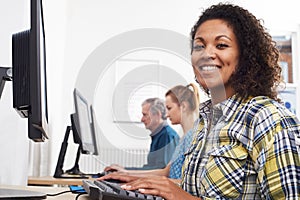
x,y
208,53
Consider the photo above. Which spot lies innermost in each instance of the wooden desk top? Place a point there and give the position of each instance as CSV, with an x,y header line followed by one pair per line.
x,y
49,180
49,190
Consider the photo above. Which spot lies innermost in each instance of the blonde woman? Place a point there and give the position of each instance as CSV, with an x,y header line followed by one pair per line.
x,y
182,108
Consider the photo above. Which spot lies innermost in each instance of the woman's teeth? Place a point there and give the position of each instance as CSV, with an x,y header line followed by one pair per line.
x,y
208,68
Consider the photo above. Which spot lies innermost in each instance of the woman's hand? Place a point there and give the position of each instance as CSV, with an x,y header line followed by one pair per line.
x,y
121,176
114,168
154,185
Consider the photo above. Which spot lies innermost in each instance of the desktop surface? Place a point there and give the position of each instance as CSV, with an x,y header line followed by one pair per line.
x,y
49,180
6,193
44,190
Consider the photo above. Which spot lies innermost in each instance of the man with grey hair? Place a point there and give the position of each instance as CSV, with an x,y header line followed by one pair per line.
x,y
164,138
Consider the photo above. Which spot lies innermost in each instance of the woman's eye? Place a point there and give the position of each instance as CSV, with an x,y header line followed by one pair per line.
x,y
198,47
222,46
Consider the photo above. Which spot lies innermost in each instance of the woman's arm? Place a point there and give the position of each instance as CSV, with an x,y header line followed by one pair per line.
x,y
277,154
154,185
159,172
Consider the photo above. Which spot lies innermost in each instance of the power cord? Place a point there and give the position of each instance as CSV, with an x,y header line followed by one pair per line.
x,y
78,195
63,192
59,193
99,161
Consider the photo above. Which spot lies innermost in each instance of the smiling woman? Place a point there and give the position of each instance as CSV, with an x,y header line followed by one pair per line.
x,y
241,128
246,141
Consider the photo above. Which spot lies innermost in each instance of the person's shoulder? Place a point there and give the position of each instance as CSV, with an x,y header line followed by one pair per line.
x,y
269,115
188,137
170,131
265,107
259,103
261,100
265,103
169,128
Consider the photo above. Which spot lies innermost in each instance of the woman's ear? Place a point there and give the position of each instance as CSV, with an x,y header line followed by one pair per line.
x,y
184,106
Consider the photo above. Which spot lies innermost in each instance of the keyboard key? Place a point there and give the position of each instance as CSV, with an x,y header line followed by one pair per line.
x,y
102,190
149,196
116,188
140,195
104,187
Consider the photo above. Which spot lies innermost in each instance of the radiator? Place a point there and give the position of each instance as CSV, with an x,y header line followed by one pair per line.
x,y
106,157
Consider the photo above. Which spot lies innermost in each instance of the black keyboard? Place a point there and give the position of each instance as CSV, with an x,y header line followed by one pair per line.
x,y
104,190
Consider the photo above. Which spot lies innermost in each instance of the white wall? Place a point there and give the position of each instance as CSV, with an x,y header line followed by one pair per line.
x,y
13,132
76,28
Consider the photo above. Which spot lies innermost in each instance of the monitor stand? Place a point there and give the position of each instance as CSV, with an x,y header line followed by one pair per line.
x,y
73,172
5,75
21,194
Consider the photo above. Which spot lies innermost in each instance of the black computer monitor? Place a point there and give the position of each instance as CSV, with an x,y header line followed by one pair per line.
x,y
84,124
29,74
84,134
29,85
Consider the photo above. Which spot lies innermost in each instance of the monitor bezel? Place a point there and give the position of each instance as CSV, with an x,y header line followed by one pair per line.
x,y
38,117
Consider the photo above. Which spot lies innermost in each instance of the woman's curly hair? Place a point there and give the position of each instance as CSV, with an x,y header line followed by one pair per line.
x,y
258,72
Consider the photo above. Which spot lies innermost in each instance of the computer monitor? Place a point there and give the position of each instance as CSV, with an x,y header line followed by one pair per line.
x,y
84,134
85,125
29,74
29,85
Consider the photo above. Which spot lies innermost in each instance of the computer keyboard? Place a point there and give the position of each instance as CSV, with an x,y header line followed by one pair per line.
x,y
104,190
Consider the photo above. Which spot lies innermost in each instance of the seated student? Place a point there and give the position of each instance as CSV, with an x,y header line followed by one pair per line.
x,y
247,143
182,108
164,138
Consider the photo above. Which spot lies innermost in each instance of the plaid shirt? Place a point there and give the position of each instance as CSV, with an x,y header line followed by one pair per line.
x,y
251,152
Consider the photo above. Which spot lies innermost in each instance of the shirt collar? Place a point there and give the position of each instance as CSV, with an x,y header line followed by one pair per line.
x,y
228,106
158,129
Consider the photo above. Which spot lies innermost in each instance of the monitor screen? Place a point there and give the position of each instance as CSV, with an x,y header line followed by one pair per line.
x,y
94,130
29,74
84,125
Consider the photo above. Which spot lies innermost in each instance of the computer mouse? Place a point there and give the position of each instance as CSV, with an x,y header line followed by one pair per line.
x,y
100,174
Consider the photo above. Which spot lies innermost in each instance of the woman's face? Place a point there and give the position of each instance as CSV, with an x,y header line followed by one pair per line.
x,y
215,55
173,111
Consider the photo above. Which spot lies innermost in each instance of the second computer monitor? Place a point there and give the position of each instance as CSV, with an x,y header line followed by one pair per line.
x,y
84,124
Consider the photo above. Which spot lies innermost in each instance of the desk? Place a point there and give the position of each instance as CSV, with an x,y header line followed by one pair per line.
x,y
49,180
49,190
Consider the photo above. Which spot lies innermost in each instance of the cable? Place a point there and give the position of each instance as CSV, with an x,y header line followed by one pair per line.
x,y
99,161
77,196
63,192
59,193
